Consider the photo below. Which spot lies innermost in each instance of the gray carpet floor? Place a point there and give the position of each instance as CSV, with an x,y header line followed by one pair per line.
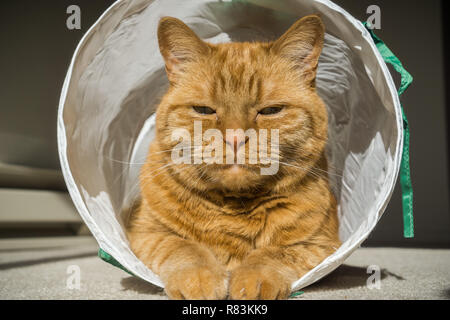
x,y
41,269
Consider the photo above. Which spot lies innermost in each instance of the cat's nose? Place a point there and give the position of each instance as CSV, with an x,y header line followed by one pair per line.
x,y
236,141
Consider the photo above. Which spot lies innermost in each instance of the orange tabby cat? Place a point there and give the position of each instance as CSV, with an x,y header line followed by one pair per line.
x,y
212,231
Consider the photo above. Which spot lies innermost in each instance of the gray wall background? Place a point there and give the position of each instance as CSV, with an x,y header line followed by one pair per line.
x,y
413,30
37,48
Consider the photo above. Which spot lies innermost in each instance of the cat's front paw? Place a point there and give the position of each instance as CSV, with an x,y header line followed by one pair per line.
x,y
258,283
197,283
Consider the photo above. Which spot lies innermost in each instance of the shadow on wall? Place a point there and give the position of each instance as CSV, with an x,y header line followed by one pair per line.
x,y
141,286
32,262
447,293
347,277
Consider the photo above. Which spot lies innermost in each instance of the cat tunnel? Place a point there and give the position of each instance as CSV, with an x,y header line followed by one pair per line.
x,y
116,78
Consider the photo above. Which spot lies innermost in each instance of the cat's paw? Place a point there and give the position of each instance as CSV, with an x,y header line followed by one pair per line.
x,y
197,283
258,283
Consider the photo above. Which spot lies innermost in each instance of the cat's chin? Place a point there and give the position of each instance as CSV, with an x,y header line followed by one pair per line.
x,y
235,169
236,177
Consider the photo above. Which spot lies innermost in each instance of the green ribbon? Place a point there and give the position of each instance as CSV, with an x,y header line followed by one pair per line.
x,y
105,256
405,170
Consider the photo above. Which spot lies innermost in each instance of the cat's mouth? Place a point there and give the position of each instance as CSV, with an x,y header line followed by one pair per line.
x,y
236,168
234,176
240,169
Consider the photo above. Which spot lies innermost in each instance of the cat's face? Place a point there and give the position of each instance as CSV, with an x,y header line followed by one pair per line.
x,y
260,87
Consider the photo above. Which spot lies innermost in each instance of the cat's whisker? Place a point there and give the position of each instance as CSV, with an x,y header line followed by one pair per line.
x,y
311,169
189,188
145,176
142,163
142,186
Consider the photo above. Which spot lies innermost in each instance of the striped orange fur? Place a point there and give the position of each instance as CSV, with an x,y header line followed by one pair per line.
x,y
212,231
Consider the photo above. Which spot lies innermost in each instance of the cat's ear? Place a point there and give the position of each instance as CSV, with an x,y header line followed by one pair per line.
x,y
302,44
178,44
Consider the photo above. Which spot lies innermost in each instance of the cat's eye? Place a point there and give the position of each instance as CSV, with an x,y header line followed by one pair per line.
x,y
204,110
270,110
